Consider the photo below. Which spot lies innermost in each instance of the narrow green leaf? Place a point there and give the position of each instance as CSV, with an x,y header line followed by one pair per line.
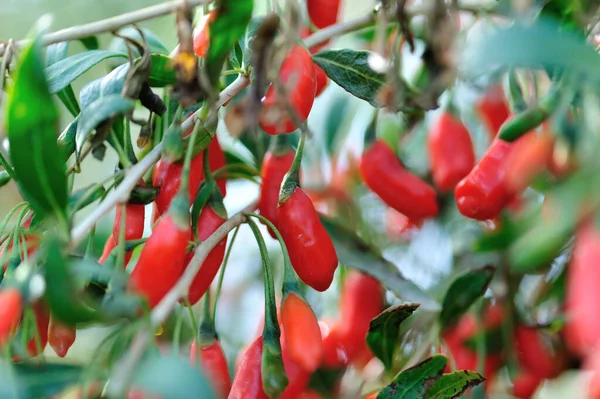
x,y
384,331
351,71
32,118
172,377
90,42
4,178
61,293
494,340
68,98
230,24
56,52
162,73
355,253
64,72
109,84
413,382
463,292
29,380
154,43
451,386
527,46
85,196
99,111
202,197
66,140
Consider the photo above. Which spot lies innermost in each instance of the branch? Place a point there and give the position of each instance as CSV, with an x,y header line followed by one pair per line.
x,y
137,171
118,382
109,24
336,30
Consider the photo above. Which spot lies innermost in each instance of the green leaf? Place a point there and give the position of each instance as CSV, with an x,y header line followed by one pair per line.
x,y
162,73
64,72
154,43
56,52
384,330
4,178
494,340
109,84
451,386
32,118
413,382
351,71
202,196
172,377
230,24
90,42
68,98
66,140
28,380
98,112
527,46
355,253
463,292
61,294
85,196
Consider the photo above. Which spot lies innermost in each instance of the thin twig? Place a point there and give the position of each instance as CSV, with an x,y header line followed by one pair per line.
x,y
335,30
136,172
109,24
4,66
128,362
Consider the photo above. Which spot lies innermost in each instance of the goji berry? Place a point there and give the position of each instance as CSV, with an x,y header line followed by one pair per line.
x,y
108,247
383,173
493,109
311,250
61,337
525,385
202,34
450,151
323,13
322,80
310,394
301,333
42,319
531,155
247,383
398,226
535,356
134,225
297,75
214,364
10,313
161,261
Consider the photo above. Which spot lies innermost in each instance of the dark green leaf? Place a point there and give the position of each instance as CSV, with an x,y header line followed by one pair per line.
x,y
229,25
202,197
172,377
85,196
162,73
68,98
236,56
27,380
99,111
64,72
463,292
384,330
90,42
527,46
494,340
355,253
66,140
351,71
154,43
31,122
4,178
413,382
451,386
61,294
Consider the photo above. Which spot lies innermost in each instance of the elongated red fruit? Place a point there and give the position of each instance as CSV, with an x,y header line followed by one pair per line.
x,y
302,333
484,193
493,109
211,218
274,167
450,151
582,299
10,313
201,34
311,251
214,364
322,80
323,13
42,319
247,383
134,225
383,173
535,355
297,75
61,337
161,261
525,385
108,247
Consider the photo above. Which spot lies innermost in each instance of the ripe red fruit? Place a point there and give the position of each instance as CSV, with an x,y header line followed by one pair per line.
x,y
483,193
322,80
275,166
247,383
108,247
450,151
525,385
161,261
535,356
42,319
383,173
214,364
211,218
323,13
201,34
311,251
301,333
398,226
310,394
582,299
61,337
134,225
297,75
531,155
10,313
493,109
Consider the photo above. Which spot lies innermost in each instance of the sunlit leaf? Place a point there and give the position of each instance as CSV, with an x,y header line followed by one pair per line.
x,y
451,386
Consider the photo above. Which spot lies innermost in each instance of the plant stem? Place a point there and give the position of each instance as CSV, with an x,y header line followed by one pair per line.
x,y
126,365
109,24
7,167
222,274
